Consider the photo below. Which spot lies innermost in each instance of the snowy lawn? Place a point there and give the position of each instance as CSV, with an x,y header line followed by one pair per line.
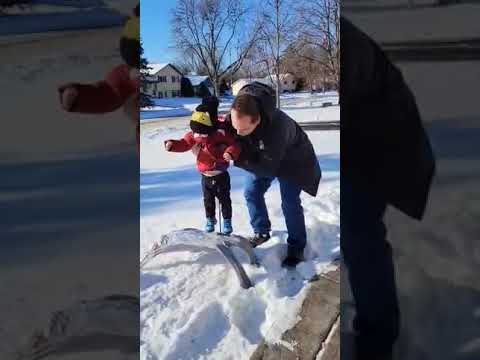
x,y
178,106
302,106
305,115
192,306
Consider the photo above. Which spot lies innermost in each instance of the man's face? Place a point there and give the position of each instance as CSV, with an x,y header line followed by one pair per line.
x,y
244,124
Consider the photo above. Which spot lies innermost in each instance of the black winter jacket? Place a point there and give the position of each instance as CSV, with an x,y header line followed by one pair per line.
x,y
278,147
383,142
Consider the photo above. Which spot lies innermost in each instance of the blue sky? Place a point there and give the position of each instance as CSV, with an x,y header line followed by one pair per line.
x,y
155,30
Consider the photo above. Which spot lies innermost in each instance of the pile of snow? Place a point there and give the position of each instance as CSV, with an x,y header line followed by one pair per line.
x,y
192,306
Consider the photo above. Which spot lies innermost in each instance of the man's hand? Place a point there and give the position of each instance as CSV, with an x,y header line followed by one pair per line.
x,y
227,157
168,145
68,96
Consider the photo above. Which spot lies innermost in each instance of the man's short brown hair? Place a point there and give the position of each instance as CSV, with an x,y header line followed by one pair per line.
x,y
246,104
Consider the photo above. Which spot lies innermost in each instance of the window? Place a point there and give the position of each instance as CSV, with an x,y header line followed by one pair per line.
x,y
160,94
162,79
284,83
174,79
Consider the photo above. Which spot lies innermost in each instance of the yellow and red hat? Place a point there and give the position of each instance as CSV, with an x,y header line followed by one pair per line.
x,y
201,123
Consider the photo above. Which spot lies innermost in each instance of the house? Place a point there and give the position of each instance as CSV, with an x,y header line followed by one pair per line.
x,y
162,80
288,83
201,85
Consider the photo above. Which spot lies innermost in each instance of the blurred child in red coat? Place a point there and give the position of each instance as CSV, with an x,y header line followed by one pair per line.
x,y
120,86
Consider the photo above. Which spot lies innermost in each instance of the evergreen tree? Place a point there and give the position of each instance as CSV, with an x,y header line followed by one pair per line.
x,y
145,99
187,88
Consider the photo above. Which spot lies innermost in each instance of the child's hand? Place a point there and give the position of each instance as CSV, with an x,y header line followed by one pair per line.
x,y
196,149
227,157
168,145
68,95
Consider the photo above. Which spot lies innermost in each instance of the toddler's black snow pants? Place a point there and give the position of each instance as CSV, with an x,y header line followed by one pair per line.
x,y
217,187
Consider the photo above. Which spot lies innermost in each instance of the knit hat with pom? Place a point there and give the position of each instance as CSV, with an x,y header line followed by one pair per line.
x,y
210,105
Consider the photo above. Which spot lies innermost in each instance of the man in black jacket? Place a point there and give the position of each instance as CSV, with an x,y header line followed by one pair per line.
x,y
386,159
273,146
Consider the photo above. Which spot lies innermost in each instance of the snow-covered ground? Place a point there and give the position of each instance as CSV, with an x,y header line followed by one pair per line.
x,y
297,105
192,306
55,220
306,114
60,6
176,107
451,23
307,107
46,16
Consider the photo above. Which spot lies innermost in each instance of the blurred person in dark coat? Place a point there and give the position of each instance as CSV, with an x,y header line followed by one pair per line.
x,y
386,159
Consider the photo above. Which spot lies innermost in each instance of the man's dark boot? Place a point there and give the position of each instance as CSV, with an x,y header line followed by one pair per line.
x,y
294,257
259,239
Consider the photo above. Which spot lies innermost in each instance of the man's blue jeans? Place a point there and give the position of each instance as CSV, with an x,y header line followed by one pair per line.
x,y
255,189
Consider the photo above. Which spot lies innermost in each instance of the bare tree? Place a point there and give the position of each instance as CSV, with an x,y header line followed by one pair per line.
x,y
309,72
188,61
210,29
319,24
276,30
